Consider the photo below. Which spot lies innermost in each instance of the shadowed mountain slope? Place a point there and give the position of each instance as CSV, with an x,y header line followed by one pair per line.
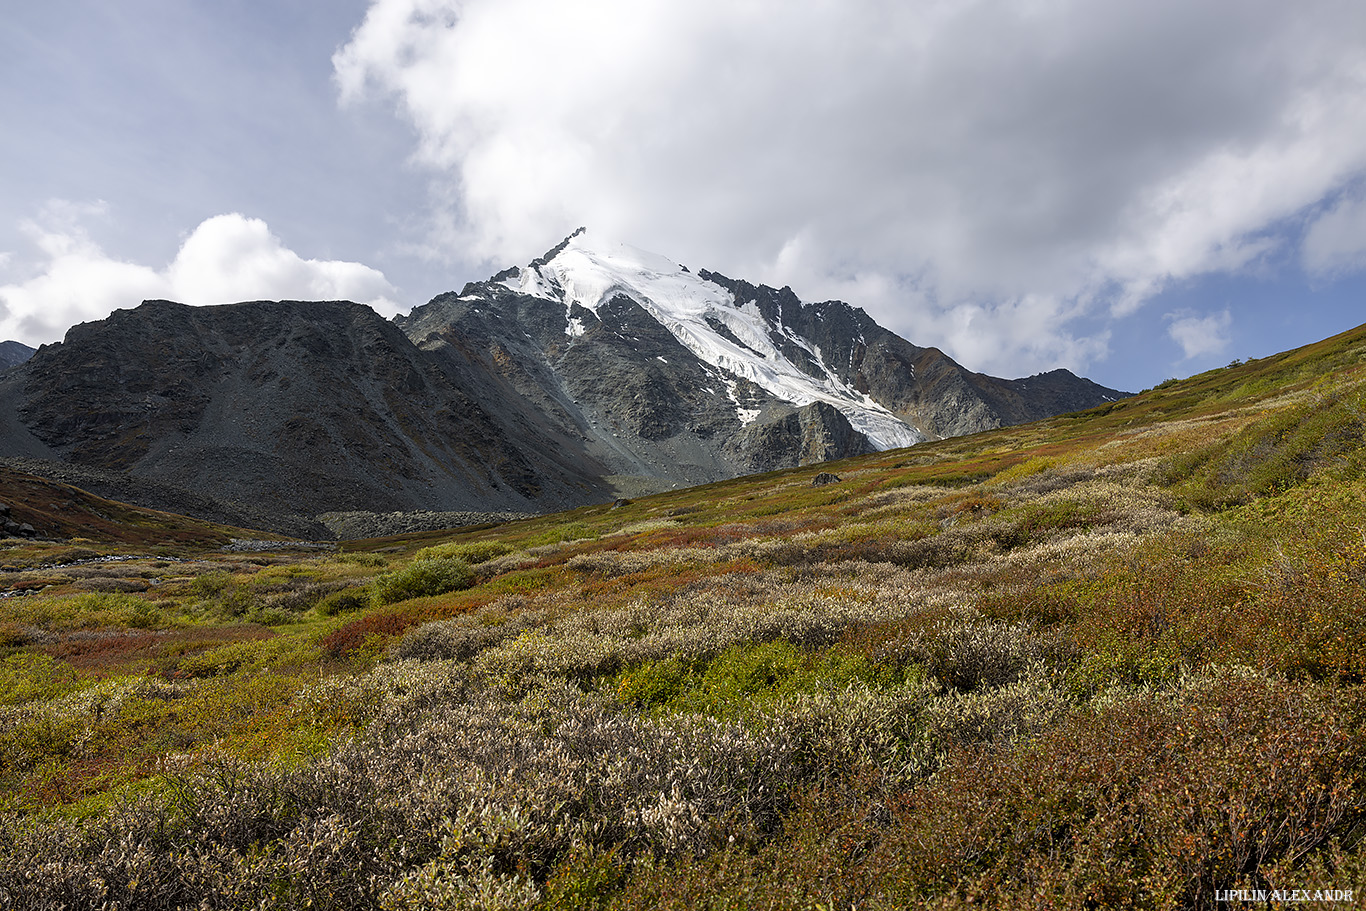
x,y
292,407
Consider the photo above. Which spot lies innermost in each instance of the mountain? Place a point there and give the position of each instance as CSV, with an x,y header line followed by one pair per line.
x,y
290,407
595,371
12,354
669,374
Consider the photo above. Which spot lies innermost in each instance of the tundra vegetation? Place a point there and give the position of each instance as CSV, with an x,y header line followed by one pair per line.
x,y
1114,659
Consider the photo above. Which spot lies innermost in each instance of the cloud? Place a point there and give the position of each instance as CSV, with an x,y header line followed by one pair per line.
x,y
1200,335
230,258
226,258
1336,241
1063,158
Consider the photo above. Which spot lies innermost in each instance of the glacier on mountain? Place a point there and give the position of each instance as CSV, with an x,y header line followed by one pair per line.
x,y
590,272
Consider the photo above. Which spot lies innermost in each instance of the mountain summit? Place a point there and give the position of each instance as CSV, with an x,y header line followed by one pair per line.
x,y
597,370
696,376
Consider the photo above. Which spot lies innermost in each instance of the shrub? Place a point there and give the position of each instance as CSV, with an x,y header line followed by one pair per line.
x,y
1004,716
746,677
211,584
1033,466
362,558
239,602
741,673
430,576
969,654
585,881
473,552
364,636
1170,796
654,683
251,655
28,676
343,602
298,598
459,638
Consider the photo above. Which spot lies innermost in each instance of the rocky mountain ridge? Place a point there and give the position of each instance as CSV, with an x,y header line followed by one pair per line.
x,y
595,371
699,376
12,354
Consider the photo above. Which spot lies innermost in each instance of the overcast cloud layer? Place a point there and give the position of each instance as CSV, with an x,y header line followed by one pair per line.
x,y
989,176
1134,189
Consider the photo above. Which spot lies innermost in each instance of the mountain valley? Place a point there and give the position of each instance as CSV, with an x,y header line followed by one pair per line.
x,y
595,372
976,672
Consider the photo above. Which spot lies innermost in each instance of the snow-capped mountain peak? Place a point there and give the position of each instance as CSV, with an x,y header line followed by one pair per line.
x,y
734,337
652,371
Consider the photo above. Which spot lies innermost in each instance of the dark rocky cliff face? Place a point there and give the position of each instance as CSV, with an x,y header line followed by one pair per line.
x,y
298,406
632,396
816,433
12,354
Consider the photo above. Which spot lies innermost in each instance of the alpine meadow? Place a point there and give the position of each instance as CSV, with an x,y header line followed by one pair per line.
x,y
1110,659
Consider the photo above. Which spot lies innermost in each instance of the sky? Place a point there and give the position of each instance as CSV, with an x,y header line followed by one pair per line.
x,y
1134,190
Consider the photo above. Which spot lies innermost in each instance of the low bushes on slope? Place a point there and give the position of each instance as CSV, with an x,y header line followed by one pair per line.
x,y
424,576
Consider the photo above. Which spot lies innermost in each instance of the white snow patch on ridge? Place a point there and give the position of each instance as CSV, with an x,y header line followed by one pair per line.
x,y
590,274
746,416
530,281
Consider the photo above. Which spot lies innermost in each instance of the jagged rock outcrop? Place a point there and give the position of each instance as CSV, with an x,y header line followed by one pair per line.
x,y
12,354
816,433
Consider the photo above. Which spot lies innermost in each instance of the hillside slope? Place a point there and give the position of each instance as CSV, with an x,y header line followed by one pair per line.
x,y
12,354
1115,658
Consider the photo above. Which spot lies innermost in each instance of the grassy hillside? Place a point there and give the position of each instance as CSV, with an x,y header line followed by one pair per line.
x,y
1114,659
60,511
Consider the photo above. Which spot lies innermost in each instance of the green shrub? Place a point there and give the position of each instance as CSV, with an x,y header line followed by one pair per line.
x,y
1025,469
742,672
87,609
211,584
585,881
573,531
343,602
422,578
654,683
745,675
28,676
363,558
473,552
250,655
239,602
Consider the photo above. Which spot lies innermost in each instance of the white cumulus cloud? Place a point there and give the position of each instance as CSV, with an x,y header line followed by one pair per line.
x,y
1200,335
1044,161
227,258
